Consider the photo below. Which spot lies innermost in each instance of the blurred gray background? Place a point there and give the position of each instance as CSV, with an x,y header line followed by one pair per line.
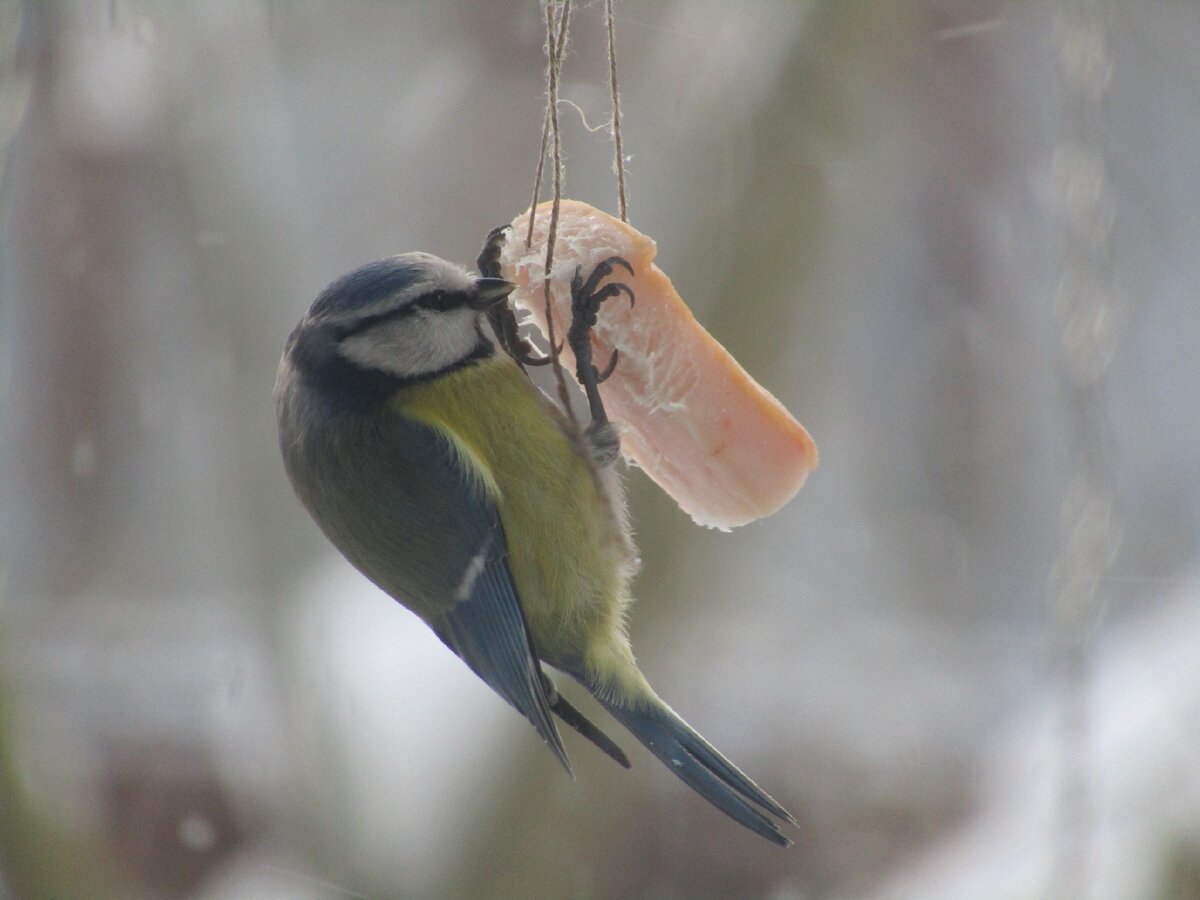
x,y
959,240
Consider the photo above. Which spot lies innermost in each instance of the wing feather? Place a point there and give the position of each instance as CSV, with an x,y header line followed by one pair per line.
x,y
460,581
487,630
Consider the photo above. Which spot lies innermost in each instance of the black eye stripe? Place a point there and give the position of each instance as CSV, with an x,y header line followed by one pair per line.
x,y
360,325
441,300
437,301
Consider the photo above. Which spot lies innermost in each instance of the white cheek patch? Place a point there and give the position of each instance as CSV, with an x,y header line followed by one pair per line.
x,y
418,344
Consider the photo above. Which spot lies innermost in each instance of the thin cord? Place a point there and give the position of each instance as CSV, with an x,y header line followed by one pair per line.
x,y
537,177
554,49
1088,306
551,57
619,156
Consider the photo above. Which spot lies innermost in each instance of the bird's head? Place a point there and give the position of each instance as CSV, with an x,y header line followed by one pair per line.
x,y
406,317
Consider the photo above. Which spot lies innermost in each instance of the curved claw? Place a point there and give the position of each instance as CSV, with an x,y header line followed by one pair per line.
x,y
604,268
586,307
587,295
620,261
602,376
504,323
601,271
529,360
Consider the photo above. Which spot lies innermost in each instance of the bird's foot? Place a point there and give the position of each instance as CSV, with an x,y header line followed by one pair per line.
x,y
586,299
504,321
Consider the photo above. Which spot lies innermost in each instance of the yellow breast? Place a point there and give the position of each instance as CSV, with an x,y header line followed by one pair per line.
x,y
568,549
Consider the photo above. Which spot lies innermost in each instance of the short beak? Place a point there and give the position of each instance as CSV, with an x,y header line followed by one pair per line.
x,y
488,292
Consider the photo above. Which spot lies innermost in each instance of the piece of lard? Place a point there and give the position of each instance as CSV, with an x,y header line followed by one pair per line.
x,y
689,415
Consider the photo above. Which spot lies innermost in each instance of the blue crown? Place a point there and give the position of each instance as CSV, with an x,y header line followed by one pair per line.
x,y
370,284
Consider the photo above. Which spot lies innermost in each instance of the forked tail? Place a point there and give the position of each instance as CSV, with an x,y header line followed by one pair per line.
x,y
701,766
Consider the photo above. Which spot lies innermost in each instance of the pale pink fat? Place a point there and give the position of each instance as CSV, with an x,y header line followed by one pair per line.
x,y
690,416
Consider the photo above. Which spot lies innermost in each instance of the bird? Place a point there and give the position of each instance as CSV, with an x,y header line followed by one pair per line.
x,y
435,465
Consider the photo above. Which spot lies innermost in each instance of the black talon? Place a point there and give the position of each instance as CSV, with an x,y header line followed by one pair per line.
x,y
602,377
541,360
611,290
619,261
504,321
603,269
586,298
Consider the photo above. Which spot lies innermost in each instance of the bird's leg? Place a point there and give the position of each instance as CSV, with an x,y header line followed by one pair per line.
x,y
586,297
504,322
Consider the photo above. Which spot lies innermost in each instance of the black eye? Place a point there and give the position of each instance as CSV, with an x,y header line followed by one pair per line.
x,y
440,300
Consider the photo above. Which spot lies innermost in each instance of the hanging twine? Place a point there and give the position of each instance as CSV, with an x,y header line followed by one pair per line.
x,y
554,50
618,153
557,23
1087,306
553,57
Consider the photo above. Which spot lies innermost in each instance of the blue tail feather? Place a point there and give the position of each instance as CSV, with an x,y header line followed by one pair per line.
x,y
699,765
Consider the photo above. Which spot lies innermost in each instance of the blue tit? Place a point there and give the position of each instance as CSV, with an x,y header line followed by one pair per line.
x,y
444,475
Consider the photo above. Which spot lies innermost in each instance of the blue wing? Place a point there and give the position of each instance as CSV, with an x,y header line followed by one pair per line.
x,y
434,541
487,629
